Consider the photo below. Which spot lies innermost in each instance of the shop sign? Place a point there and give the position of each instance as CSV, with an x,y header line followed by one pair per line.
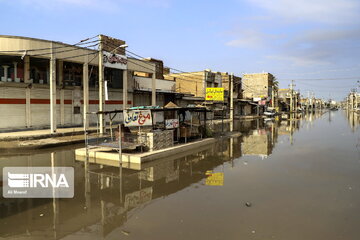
x,y
171,123
112,60
137,118
214,94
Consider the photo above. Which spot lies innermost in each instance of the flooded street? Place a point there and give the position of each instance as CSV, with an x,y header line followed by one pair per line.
x,y
294,179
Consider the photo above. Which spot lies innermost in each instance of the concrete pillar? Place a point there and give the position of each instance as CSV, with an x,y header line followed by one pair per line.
x,y
60,73
52,92
125,88
15,72
27,69
86,94
62,107
5,72
153,89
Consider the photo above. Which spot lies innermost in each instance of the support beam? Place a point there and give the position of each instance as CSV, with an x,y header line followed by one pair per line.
x,y
27,69
52,91
231,101
86,94
60,73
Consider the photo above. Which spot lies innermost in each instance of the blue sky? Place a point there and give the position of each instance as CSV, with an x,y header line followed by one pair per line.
x,y
303,39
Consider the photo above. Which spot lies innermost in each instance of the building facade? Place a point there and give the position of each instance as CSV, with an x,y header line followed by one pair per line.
x,y
257,85
195,83
44,82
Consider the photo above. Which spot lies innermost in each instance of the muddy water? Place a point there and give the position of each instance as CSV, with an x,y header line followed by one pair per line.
x,y
297,179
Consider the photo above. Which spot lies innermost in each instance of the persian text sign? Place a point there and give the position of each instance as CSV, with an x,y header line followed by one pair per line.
x,y
214,94
112,60
137,118
38,182
171,123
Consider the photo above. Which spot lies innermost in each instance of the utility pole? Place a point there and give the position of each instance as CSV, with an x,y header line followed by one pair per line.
x,y
232,97
307,101
101,86
153,88
86,92
292,96
272,97
52,91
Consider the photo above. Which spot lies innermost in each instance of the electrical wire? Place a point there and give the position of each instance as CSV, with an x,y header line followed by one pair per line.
x,y
69,50
193,75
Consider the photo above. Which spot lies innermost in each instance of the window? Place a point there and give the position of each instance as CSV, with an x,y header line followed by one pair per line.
x,y
114,77
72,73
39,70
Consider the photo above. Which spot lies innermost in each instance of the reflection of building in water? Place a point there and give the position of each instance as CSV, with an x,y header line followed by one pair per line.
x,y
258,143
353,119
105,197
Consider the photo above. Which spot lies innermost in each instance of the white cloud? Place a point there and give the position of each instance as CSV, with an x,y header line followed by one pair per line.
x,y
319,47
320,11
298,60
250,39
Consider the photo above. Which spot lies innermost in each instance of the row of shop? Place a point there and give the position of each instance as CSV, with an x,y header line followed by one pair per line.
x,y
51,84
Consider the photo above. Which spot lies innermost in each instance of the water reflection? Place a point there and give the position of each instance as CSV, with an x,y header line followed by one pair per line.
x,y
353,119
106,197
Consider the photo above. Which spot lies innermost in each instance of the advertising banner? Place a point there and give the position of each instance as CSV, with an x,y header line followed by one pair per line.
x,y
214,94
112,60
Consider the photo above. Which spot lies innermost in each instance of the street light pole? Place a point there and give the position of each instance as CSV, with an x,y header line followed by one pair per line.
x,y
101,86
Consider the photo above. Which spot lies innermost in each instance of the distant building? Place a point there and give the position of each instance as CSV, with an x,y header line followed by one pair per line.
x,y
257,85
226,80
195,83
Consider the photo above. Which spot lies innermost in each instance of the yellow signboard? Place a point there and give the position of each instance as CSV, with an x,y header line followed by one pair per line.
x,y
214,179
214,94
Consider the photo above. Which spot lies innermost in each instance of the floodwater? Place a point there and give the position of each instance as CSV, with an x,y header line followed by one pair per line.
x,y
295,179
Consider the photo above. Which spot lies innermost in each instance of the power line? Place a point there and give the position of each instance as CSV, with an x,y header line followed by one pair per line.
x,y
322,79
69,50
193,75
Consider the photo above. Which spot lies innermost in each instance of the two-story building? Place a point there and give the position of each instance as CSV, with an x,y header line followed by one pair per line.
x,y
48,83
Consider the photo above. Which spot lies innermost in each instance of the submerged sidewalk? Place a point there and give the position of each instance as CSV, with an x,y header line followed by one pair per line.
x,y
42,138
42,133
